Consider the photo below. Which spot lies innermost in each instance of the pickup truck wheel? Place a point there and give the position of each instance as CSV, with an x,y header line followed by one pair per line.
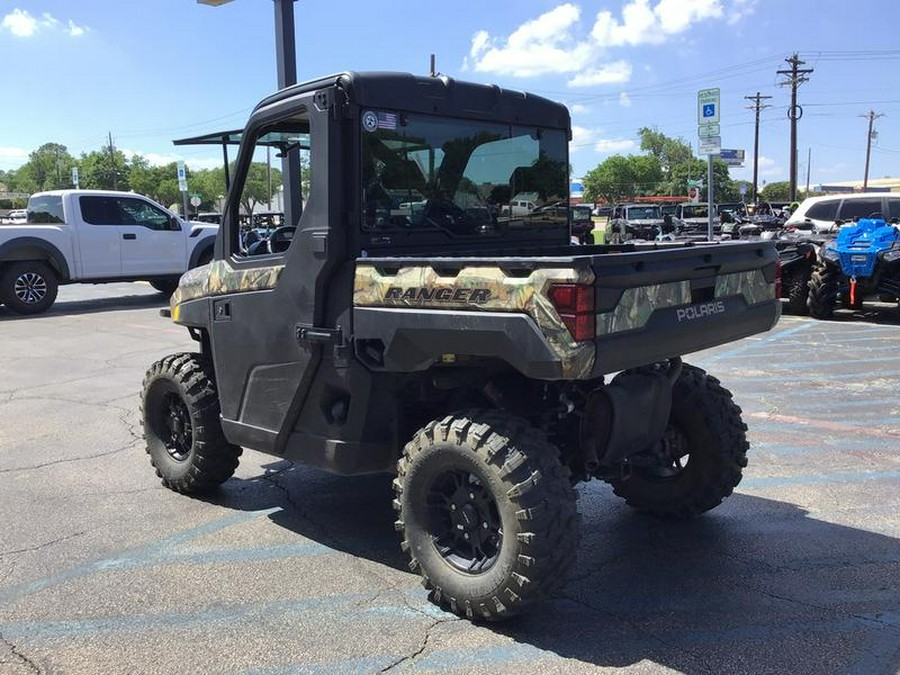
x,y
487,514
700,458
797,287
166,286
28,287
824,285
183,435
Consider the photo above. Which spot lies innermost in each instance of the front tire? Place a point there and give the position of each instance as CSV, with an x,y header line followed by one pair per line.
x,y
183,435
28,287
165,286
487,513
700,458
824,286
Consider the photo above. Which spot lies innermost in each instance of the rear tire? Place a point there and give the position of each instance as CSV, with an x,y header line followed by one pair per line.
x,y
28,287
797,287
487,513
705,426
824,285
182,431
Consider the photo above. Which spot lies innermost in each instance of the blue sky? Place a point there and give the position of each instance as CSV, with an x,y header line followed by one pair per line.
x,y
153,70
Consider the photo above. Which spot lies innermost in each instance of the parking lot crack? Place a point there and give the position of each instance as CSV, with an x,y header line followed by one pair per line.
x,y
20,656
321,533
128,446
423,645
28,549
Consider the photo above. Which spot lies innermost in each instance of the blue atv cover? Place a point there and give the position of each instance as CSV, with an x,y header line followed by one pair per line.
x,y
858,246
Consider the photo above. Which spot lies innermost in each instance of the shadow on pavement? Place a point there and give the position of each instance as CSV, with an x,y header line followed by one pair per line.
x,y
754,586
94,305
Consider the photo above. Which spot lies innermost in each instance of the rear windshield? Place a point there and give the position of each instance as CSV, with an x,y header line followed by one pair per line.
x,y
44,209
461,178
644,213
695,212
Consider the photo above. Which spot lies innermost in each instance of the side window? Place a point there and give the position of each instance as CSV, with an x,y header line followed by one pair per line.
x,y
826,210
262,228
46,209
141,213
860,208
99,210
893,208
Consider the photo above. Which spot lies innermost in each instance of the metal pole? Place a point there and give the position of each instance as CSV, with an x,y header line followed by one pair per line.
x,y
286,58
808,165
710,200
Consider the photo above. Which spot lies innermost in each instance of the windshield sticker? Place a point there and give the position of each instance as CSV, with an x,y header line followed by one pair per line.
x,y
369,121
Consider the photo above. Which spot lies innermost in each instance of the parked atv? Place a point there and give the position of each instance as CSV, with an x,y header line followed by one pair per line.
x,y
863,261
798,258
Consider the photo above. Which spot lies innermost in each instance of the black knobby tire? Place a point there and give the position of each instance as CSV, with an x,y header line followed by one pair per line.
x,y
824,286
524,522
706,427
166,286
182,431
28,287
797,290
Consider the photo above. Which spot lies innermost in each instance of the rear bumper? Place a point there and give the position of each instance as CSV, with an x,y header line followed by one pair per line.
x,y
669,332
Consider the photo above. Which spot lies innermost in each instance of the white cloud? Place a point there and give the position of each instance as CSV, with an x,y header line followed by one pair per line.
x,y
643,24
537,47
12,157
624,100
610,73
581,137
766,166
579,109
611,145
739,9
558,41
22,24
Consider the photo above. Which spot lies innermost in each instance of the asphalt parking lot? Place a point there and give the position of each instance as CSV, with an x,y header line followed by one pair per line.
x,y
290,570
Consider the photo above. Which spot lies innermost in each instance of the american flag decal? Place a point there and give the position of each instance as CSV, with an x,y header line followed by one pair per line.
x,y
387,121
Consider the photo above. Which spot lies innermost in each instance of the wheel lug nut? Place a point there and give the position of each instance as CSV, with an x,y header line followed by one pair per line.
x,y
453,507
484,525
466,535
471,495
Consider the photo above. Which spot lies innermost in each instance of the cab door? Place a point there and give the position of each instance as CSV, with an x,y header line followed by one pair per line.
x,y
99,239
153,242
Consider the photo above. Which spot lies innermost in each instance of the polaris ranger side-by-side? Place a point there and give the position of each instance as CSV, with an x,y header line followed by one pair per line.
x,y
411,322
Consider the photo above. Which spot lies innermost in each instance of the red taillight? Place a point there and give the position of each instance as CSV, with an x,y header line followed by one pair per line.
x,y
575,305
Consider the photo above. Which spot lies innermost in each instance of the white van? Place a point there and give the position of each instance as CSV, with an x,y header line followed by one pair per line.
x,y
823,213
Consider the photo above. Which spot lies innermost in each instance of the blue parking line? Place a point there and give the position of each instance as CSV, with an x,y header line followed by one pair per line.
x,y
131,558
847,477
748,344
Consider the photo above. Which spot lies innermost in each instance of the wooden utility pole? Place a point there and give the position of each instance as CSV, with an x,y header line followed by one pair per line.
x,y
112,162
757,107
872,115
794,78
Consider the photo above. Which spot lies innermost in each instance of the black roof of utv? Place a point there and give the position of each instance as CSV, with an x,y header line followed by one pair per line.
x,y
435,95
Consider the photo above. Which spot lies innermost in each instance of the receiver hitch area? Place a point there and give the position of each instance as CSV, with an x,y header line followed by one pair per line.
x,y
628,415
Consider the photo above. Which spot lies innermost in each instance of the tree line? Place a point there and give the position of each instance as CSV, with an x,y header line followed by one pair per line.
x,y
666,168
50,168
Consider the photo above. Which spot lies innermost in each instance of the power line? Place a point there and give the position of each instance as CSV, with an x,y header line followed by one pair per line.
x,y
795,77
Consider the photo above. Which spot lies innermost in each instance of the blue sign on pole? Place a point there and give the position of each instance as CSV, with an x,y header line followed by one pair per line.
x,y
709,110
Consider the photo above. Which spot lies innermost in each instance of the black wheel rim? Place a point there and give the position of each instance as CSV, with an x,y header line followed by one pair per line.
x,y
668,458
178,437
464,521
30,288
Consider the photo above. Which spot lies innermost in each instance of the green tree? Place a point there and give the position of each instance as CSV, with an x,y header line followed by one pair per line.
x,y
104,170
724,189
48,168
670,152
256,186
620,178
776,192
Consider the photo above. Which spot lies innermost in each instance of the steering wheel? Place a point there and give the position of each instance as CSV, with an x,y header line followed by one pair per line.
x,y
875,215
280,239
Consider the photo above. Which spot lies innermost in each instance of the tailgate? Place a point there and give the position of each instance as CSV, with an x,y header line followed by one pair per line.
x,y
660,303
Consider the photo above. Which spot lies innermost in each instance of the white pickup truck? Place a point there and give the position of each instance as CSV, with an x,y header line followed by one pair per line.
x,y
95,236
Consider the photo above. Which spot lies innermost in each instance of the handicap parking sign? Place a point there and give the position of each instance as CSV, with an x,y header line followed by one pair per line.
x,y
709,110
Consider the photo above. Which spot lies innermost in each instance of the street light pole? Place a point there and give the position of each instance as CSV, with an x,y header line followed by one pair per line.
x,y
286,62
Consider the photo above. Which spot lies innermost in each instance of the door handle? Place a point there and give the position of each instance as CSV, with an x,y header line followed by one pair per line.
x,y
129,235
